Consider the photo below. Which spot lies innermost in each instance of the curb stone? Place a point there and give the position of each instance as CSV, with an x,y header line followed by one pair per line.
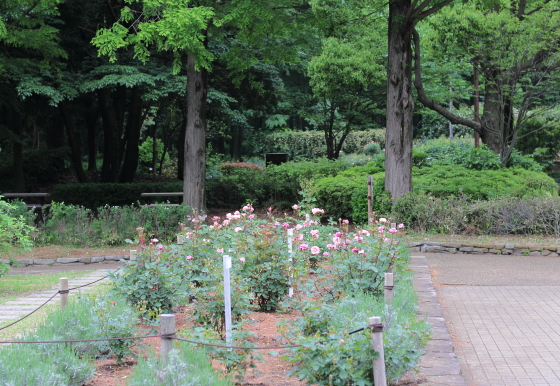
x,y
439,364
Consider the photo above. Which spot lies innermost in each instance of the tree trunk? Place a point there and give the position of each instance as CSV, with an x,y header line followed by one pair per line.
x,y
73,142
194,181
14,121
133,126
109,170
400,105
91,123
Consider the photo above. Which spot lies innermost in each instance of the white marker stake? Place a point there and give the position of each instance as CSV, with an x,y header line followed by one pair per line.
x,y
290,241
227,297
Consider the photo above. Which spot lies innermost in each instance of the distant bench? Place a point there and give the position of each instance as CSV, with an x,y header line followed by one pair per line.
x,y
169,194
40,196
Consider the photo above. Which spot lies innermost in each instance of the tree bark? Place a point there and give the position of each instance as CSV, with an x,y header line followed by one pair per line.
x,y
109,170
91,123
400,105
133,126
75,151
194,180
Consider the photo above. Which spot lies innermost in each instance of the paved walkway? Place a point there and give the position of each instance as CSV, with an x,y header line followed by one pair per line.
x,y
18,308
503,315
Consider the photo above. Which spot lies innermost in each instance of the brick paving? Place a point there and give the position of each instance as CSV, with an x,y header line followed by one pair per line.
x,y
505,335
505,327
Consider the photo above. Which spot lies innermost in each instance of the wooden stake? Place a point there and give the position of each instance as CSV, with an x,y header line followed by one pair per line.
x,y
370,200
389,285
290,251
227,297
167,323
379,375
63,287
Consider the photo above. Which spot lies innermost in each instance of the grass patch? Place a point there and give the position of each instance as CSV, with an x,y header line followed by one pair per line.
x,y
16,286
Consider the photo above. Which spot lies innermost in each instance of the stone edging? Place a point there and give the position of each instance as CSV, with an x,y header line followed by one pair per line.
x,y
480,248
415,246
69,260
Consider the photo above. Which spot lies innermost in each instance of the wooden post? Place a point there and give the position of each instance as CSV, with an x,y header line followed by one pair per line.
x,y
389,285
63,287
167,323
379,375
132,254
370,200
290,250
180,240
227,297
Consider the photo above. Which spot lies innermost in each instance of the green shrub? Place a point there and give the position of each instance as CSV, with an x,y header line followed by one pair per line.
x,y
76,225
14,230
285,179
311,144
238,184
93,196
372,148
423,213
328,350
185,367
146,153
458,181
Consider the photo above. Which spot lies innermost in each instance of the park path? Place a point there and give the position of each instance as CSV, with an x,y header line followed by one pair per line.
x,y
503,316
15,309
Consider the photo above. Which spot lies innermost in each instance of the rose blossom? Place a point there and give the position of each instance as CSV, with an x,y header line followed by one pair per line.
x,y
303,247
315,250
220,250
355,250
317,210
393,230
382,219
242,259
189,257
295,207
400,226
326,254
237,229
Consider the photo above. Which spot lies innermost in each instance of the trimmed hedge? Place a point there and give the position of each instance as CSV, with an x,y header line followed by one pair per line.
x,y
93,196
455,181
345,195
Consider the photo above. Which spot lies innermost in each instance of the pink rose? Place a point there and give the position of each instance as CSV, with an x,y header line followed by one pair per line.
x,y
400,226
242,259
326,254
315,250
295,207
220,250
355,250
382,219
393,230
303,247
189,257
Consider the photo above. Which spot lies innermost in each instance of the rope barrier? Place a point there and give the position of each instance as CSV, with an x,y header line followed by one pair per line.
x,y
52,297
172,336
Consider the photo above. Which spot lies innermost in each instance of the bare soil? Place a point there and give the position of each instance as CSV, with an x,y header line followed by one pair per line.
x,y
57,251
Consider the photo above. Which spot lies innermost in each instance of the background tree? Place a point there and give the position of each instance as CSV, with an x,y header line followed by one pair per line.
x,y
263,31
515,49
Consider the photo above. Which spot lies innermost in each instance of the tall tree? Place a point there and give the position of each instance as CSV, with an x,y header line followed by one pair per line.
x,y
262,31
515,47
404,15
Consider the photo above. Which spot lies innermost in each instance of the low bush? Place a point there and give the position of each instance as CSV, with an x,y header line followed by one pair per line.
x,y
61,364
185,367
328,354
501,216
14,230
456,181
237,184
77,225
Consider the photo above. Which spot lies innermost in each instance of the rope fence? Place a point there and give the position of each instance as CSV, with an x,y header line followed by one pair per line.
x,y
61,292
